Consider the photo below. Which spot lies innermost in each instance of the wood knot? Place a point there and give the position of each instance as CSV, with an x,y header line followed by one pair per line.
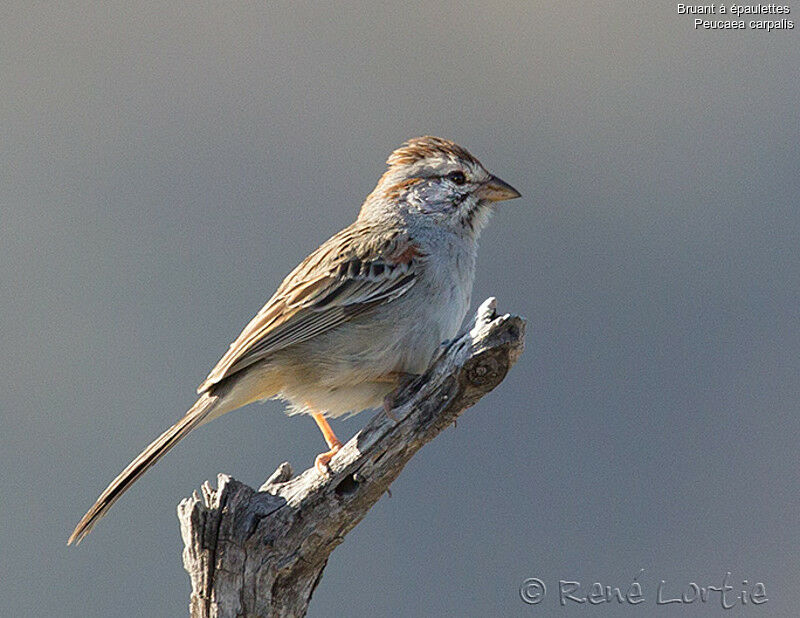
x,y
485,372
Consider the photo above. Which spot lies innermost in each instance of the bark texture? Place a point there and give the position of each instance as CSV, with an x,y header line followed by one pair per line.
x,y
262,552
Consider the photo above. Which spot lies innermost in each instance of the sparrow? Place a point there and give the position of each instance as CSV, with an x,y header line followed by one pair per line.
x,y
359,315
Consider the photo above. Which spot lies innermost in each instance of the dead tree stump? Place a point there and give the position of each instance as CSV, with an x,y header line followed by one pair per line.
x,y
261,553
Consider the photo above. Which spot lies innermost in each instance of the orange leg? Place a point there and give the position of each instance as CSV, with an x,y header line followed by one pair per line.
x,y
322,460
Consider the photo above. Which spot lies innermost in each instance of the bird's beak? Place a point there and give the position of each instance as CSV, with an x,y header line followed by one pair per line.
x,y
496,190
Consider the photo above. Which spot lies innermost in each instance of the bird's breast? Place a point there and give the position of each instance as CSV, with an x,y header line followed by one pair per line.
x,y
441,299
344,369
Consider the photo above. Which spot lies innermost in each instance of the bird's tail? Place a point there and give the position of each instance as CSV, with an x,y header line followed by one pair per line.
x,y
149,456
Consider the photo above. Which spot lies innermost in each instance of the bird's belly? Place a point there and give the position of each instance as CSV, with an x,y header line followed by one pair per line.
x,y
349,368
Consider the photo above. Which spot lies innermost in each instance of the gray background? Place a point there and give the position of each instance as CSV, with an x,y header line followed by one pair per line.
x,y
164,166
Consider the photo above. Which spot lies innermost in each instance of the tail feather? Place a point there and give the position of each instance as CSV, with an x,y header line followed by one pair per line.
x,y
149,456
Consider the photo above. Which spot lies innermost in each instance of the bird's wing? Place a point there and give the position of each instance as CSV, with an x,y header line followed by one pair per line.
x,y
358,268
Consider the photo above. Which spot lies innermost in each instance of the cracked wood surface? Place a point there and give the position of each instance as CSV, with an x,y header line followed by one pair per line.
x,y
262,552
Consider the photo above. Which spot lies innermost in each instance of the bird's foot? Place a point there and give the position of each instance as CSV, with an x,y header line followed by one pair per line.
x,y
402,379
388,402
323,459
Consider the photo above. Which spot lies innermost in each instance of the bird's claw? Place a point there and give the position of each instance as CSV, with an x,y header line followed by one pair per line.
x,y
403,380
323,459
388,402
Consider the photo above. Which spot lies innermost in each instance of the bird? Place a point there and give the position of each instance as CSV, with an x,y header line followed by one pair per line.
x,y
361,314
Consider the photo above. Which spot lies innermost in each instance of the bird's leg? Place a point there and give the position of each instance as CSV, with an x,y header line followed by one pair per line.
x,y
323,459
388,401
401,379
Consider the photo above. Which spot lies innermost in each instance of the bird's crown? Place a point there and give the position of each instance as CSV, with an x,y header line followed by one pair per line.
x,y
428,147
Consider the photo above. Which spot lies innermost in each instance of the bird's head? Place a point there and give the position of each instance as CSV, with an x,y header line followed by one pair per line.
x,y
438,181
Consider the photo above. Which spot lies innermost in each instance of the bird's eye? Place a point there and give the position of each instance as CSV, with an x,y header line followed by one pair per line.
x,y
457,177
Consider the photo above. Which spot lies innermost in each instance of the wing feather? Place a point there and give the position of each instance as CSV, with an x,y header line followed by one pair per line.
x,y
341,279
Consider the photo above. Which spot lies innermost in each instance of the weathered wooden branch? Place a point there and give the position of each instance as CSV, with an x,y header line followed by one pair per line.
x,y
261,553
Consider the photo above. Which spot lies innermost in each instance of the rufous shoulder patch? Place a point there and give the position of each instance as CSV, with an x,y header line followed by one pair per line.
x,y
405,253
